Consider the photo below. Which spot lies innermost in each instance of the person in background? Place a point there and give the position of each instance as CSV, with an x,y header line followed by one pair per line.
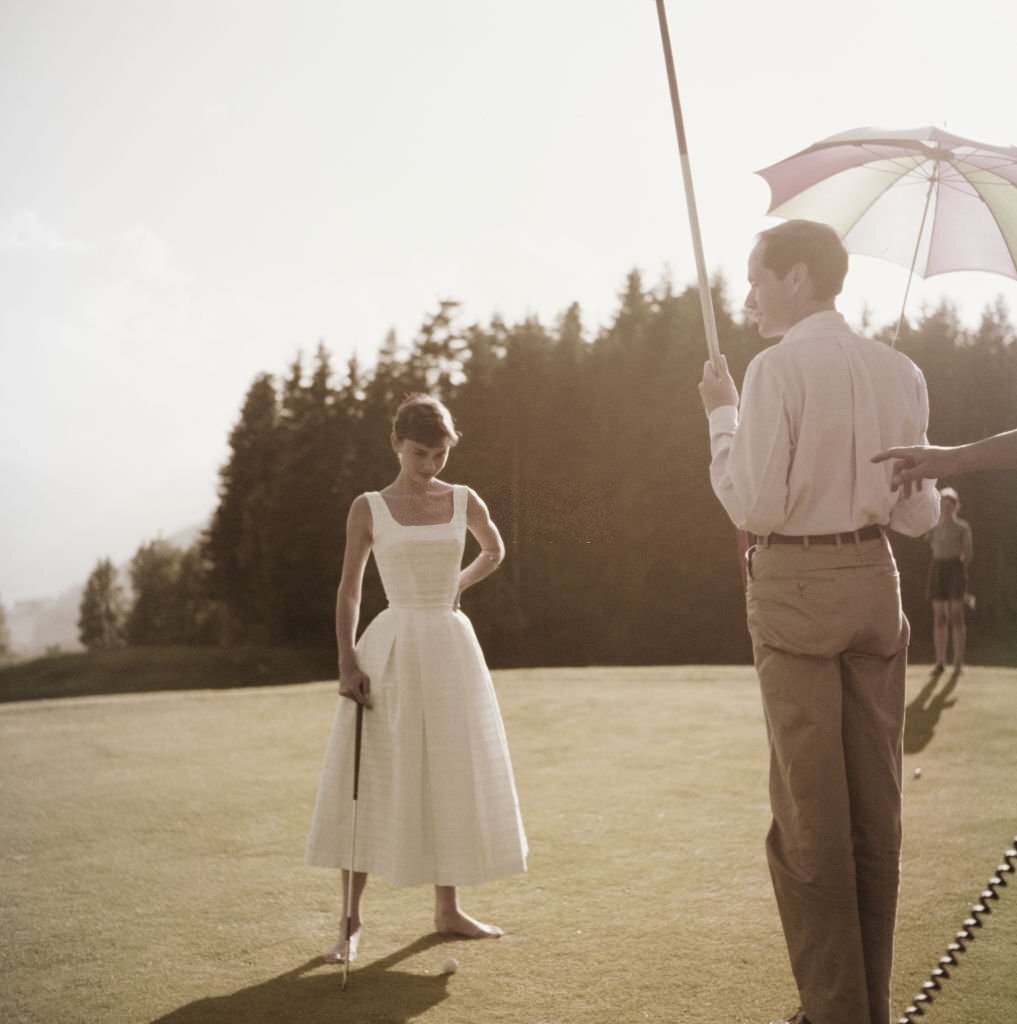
x,y
952,549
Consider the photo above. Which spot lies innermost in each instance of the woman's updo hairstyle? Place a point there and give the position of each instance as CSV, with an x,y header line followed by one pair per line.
x,y
425,420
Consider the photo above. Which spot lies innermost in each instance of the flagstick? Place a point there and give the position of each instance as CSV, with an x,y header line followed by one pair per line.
x,y
705,296
914,258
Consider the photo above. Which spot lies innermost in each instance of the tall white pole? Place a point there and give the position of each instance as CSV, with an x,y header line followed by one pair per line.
x,y
705,296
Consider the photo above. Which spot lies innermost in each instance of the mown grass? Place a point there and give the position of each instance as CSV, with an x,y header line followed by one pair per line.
x,y
152,860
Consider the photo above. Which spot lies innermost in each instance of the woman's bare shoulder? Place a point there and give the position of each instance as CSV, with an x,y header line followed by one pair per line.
x,y
360,510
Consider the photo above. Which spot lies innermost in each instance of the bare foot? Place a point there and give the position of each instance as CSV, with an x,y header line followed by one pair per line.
x,y
458,923
337,954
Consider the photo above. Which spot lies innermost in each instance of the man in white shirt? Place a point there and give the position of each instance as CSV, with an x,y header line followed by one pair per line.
x,y
792,465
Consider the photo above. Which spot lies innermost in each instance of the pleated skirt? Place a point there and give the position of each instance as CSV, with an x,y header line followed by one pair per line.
x,y
437,800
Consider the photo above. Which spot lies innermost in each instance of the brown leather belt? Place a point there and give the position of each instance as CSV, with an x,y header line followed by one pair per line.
x,y
865,533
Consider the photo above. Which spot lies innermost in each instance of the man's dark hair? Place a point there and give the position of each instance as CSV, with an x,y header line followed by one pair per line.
x,y
806,241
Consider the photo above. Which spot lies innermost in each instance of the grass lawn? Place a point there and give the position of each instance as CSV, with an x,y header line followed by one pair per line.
x,y
152,860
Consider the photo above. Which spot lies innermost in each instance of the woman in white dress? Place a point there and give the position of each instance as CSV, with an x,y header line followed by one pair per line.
x,y
437,800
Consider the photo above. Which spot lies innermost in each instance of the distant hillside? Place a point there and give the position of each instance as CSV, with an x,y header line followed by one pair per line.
x,y
46,624
50,624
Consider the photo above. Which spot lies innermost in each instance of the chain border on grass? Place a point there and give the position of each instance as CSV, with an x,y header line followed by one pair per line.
x,y
932,988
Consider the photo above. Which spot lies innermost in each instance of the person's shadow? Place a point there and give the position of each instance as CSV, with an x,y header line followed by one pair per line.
x,y
373,993
923,713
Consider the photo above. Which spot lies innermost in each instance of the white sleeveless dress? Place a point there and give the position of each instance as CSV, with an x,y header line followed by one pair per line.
x,y
437,802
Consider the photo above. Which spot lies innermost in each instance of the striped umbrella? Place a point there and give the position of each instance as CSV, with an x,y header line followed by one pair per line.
x,y
922,197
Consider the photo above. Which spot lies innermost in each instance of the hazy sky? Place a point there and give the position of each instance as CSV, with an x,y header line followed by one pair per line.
x,y
190,191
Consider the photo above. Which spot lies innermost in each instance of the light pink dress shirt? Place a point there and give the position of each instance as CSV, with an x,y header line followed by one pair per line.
x,y
794,458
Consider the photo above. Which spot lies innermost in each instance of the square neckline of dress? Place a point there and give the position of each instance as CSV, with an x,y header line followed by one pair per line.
x,y
412,526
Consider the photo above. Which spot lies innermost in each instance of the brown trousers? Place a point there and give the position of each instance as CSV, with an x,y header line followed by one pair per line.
x,y
830,645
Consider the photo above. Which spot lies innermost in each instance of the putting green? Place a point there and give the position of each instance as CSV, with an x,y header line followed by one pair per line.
x,y
152,860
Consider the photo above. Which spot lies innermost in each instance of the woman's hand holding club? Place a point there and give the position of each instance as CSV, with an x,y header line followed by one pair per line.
x,y
355,684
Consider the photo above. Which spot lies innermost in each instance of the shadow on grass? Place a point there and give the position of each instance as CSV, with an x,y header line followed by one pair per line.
x,y
374,993
924,711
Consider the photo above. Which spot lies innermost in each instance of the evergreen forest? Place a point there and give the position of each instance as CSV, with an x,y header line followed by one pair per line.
x,y
591,450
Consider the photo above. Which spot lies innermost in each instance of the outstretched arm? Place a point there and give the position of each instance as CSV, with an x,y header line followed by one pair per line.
x,y
492,547
352,682
915,463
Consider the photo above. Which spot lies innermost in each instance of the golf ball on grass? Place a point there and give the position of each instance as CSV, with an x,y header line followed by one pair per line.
x,y
450,966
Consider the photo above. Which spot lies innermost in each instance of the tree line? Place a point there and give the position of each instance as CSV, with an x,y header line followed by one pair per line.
x,y
5,634
591,451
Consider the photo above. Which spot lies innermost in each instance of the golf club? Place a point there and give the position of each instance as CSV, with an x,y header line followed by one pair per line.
x,y
353,844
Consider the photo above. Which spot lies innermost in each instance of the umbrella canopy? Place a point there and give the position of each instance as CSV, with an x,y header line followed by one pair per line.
x,y
932,201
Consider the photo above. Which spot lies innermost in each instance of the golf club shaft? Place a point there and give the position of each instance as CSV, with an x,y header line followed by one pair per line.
x,y
705,296
353,841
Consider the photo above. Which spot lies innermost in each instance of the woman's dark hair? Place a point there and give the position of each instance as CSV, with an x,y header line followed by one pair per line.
x,y
425,420
816,245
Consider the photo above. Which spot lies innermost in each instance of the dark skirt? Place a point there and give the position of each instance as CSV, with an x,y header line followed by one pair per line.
x,y
948,580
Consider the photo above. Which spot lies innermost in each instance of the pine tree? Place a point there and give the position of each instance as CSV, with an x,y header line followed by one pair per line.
x,y
101,612
374,463
153,618
236,543
435,365
305,521
196,618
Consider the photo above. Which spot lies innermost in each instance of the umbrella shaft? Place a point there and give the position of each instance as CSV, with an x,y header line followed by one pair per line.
x,y
918,244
